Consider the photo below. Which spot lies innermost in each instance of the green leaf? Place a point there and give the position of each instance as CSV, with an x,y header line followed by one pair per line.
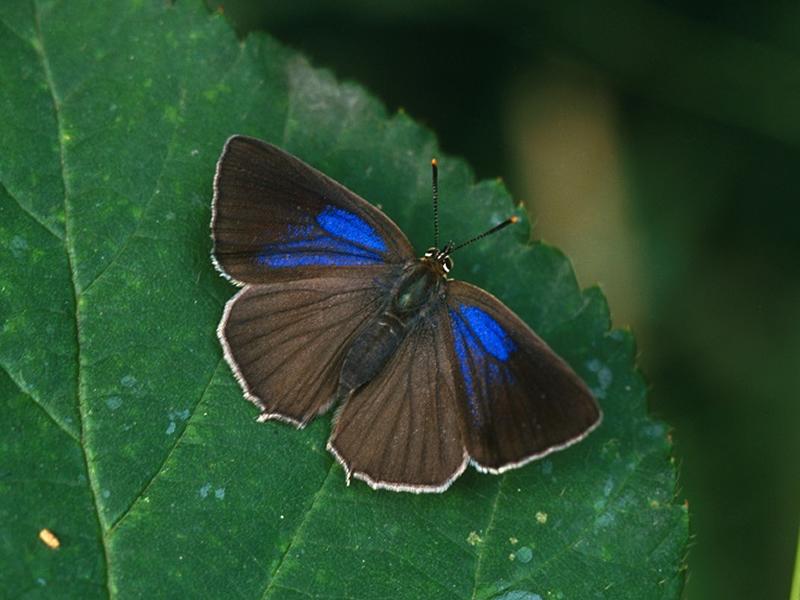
x,y
124,432
795,592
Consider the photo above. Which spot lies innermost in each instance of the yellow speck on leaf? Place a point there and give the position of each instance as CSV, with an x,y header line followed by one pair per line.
x,y
473,539
49,539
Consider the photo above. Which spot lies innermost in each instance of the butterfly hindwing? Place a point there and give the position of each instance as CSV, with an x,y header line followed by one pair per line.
x,y
285,340
402,430
518,400
276,218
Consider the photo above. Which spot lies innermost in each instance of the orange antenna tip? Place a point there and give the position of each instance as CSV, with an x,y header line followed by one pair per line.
x,y
513,219
434,162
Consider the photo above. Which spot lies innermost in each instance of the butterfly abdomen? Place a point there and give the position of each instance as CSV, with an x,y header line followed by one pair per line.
x,y
416,291
369,353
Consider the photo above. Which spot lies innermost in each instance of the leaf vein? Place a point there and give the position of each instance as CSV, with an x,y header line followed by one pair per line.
x,y
160,469
61,425
167,159
33,215
489,527
69,249
297,532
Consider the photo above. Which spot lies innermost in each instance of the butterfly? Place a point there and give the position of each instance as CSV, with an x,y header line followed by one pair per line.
x,y
428,373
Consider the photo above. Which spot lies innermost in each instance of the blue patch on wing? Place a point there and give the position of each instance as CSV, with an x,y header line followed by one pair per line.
x,y
337,238
478,339
343,224
493,337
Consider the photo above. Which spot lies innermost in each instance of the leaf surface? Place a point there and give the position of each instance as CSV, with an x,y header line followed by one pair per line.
x,y
124,431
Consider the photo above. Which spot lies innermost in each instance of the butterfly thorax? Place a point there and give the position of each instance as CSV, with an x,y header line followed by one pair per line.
x,y
418,291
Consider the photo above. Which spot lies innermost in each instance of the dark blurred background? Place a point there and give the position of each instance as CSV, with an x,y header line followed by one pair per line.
x,y
658,144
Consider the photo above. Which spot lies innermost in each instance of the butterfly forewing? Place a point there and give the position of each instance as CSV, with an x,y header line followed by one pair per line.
x,y
277,218
402,430
517,399
285,341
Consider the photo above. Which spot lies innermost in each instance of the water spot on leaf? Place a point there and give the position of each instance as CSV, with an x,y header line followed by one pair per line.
x,y
106,493
605,520
656,430
19,245
113,402
183,415
541,517
524,554
605,377
603,374
128,381
171,428
204,490
518,595
219,493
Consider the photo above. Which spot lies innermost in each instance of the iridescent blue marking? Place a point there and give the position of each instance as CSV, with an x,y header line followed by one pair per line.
x,y
495,375
338,238
349,226
327,244
492,336
477,336
303,260
465,345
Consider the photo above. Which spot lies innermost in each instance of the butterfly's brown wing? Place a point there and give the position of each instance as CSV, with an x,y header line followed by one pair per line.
x,y
275,218
285,341
401,431
517,399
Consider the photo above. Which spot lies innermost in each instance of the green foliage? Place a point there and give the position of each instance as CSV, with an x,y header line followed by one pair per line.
x,y
124,432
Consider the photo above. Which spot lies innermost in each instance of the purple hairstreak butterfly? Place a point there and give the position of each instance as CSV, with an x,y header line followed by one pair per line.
x,y
427,373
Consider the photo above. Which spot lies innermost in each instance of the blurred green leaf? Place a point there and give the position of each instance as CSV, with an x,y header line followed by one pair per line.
x,y
124,432
795,592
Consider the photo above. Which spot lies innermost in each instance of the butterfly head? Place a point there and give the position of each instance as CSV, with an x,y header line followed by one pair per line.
x,y
440,259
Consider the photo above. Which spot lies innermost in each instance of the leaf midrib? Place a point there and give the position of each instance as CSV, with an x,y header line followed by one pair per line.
x,y
69,248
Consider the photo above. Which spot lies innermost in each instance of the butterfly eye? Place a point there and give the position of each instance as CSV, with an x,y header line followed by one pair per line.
x,y
447,265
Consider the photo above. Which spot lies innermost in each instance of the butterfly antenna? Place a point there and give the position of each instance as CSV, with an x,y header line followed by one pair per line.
x,y
509,221
435,168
